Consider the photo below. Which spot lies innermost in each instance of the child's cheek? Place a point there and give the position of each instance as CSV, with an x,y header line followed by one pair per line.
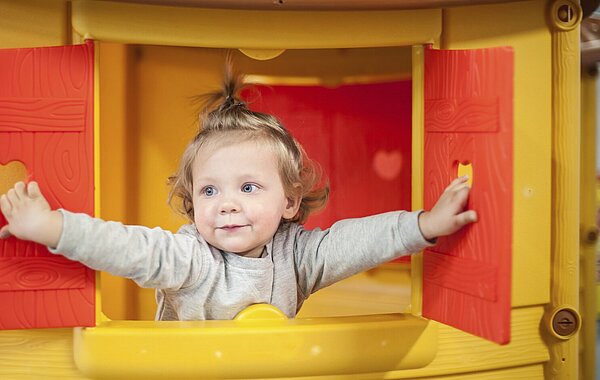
x,y
202,219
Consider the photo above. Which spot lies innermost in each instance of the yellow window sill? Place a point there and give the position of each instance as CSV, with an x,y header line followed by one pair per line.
x,y
255,348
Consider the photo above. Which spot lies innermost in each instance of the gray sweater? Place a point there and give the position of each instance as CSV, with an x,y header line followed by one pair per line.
x,y
196,281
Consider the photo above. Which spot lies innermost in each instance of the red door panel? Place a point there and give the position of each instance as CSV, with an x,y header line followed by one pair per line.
x,y
469,121
46,122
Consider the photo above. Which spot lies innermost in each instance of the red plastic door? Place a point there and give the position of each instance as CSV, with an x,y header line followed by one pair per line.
x,y
469,121
46,123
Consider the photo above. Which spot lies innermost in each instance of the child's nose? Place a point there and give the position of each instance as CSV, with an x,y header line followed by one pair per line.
x,y
229,206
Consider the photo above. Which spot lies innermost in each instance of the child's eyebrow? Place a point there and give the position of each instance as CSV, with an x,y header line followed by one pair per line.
x,y
251,177
203,180
246,177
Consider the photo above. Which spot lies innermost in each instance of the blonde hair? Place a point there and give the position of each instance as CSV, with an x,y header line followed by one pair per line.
x,y
226,118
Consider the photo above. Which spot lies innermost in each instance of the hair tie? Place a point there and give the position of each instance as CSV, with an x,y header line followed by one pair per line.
x,y
230,102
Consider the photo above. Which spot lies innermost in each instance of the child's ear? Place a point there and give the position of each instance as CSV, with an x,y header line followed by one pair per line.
x,y
293,202
291,209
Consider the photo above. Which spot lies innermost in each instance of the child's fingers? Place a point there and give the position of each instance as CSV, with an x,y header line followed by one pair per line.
x,y
5,205
458,181
466,217
462,187
461,179
20,190
12,196
456,196
454,182
463,191
33,189
4,232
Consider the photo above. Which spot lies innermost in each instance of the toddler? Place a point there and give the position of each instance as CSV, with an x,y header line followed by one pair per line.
x,y
246,186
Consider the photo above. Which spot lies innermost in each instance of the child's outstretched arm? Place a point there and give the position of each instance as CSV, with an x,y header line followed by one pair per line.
x,y
448,215
29,215
152,257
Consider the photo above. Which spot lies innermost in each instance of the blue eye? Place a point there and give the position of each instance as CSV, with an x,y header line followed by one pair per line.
x,y
249,187
209,191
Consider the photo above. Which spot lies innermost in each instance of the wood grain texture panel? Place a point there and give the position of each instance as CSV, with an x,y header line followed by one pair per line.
x,y
37,354
534,372
54,73
450,272
39,115
40,273
565,231
469,96
46,123
464,353
462,115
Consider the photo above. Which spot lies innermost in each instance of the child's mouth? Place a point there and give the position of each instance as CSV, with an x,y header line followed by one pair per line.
x,y
232,227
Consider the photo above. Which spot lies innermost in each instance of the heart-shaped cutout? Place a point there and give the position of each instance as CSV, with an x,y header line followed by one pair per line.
x,y
387,164
10,174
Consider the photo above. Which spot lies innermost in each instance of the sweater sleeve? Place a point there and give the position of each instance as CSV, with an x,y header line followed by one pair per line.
x,y
153,258
350,246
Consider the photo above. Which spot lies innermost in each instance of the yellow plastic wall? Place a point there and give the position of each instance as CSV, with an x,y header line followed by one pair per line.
x,y
34,23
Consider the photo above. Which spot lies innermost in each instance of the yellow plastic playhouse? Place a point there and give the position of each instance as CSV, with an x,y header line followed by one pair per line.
x,y
148,58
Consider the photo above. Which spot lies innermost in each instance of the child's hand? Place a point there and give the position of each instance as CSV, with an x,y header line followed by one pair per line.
x,y
29,215
448,215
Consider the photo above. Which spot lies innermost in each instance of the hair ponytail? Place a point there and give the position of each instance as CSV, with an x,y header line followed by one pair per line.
x,y
226,99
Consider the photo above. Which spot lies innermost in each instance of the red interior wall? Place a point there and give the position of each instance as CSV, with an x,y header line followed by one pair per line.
x,y
359,134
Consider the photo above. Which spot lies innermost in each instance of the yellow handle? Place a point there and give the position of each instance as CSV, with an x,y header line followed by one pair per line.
x,y
466,169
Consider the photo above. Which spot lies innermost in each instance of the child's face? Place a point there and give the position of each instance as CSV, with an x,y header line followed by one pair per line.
x,y
238,197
